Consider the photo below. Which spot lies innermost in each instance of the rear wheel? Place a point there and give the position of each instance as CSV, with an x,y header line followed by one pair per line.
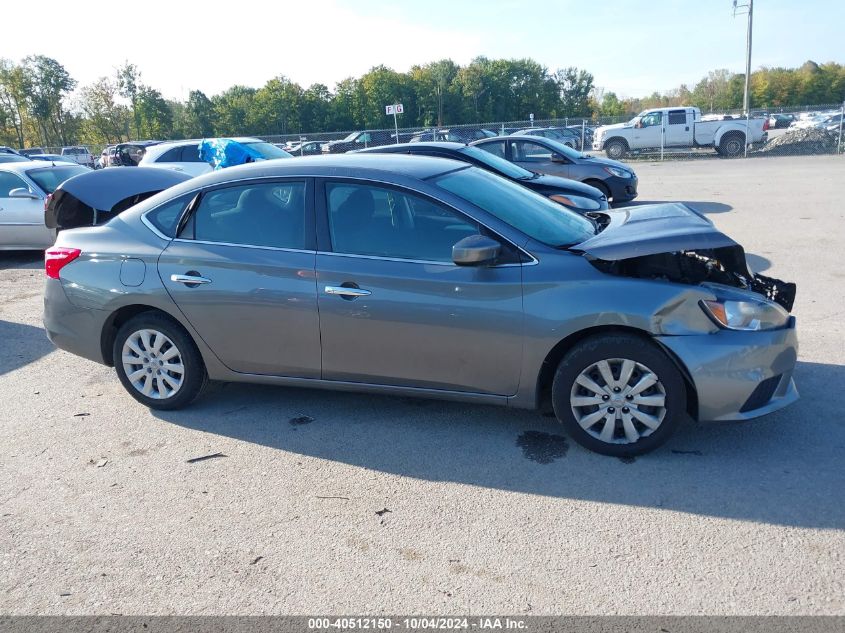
x,y
616,149
618,395
732,145
158,362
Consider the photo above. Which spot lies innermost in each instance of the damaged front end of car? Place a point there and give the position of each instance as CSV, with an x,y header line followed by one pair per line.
x,y
675,243
725,265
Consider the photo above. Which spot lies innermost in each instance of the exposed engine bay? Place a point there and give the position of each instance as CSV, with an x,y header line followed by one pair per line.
x,y
725,265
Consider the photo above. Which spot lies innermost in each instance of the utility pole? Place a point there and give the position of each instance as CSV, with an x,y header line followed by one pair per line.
x,y
750,12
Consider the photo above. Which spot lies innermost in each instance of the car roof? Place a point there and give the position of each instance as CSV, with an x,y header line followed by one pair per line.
x,y
384,167
154,151
407,147
21,167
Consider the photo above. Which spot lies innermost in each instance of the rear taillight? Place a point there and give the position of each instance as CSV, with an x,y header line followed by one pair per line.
x,y
58,257
765,125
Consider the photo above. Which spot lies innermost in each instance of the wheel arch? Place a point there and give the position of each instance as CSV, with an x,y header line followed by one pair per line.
x,y
556,354
116,319
616,138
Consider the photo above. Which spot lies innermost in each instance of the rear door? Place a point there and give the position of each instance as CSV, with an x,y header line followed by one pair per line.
x,y
21,219
395,309
242,271
678,129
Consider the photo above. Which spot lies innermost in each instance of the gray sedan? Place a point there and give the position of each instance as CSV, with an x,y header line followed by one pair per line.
x,y
426,277
548,156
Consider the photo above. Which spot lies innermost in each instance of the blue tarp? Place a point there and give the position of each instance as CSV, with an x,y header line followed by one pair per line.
x,y
224,152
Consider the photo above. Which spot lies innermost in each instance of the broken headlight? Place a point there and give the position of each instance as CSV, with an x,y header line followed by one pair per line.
x,y
746,315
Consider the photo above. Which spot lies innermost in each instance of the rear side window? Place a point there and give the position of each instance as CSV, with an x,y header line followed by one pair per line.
x,y
497,148
166,217
260,214
191,154
677,117
173,155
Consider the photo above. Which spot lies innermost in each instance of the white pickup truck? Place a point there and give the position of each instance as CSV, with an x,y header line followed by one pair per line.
x,y
678,127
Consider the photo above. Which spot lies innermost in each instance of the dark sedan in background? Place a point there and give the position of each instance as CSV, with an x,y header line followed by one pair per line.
x,y
570,193
616,180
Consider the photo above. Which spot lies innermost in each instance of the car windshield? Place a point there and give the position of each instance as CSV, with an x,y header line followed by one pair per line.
x,y
529,212
497,163
267,150
350,137
49,178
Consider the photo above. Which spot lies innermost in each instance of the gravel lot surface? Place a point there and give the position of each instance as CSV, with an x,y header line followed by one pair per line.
x,y
343,503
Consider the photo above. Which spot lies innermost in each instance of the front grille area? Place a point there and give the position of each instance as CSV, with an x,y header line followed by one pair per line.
x,y
762,394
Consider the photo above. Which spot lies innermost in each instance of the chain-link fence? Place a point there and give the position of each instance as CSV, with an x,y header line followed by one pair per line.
x,y
797,131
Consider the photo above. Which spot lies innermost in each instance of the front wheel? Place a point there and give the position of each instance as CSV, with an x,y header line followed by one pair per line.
x,y
158,362
616,149
618,395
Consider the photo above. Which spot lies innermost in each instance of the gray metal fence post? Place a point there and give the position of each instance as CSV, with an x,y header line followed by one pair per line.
x,y
747,130
662,136
841,116
583,129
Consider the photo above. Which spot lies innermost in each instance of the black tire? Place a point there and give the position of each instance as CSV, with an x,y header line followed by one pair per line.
x,y
732,144
598,184
616,149
194,376
643,353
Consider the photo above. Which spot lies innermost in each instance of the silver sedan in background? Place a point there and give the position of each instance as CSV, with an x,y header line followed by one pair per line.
x,y
24,187
426,277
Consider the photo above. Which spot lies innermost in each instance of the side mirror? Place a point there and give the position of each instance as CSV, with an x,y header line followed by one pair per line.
x,y
476,250
557,158
638,124
20,192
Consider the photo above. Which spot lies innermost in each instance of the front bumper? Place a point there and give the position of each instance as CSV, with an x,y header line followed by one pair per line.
x,y
622,189
739,375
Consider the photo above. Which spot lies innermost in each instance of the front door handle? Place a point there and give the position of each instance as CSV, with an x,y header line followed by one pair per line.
x,y
191,279
347,292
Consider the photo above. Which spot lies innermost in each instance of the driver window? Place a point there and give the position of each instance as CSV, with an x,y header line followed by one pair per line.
x,y
385,222
530,152
8,182
652,119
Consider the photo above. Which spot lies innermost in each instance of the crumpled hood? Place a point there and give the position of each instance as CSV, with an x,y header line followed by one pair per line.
x,y
651,229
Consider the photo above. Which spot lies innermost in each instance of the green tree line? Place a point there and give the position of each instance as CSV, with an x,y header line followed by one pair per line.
x,y
42,105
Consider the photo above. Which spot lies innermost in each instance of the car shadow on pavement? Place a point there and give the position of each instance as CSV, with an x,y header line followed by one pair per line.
x,y
21,260
783,469
707,207
21,345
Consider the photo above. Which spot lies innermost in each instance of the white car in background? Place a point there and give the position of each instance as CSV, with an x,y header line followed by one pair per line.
x,y
184,155
24,186
80,155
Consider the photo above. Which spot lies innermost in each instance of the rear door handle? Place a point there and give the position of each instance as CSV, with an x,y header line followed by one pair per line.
x,y
347,292
190,279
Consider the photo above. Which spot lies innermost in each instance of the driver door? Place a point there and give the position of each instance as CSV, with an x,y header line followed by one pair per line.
x,y
650,130
22,219
535,156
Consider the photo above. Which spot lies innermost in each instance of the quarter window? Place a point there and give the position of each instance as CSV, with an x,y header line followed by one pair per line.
x,y
261,214
191,154
166,216
382,222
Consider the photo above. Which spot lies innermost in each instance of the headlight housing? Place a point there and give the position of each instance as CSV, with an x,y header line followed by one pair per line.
x,y
749,316
619,172
576,202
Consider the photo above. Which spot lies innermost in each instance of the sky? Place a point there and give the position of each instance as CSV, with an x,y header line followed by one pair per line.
x,y
631,47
